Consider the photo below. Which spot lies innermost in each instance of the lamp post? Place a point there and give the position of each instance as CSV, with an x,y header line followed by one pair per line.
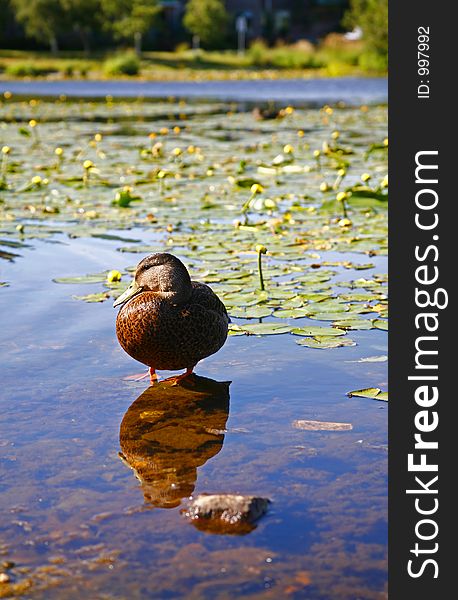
x,y
241,28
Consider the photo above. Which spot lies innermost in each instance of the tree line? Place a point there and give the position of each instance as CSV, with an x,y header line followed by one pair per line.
x,y
127,21
51,22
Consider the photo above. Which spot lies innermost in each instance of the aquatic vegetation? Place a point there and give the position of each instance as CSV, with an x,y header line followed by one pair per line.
x,y
105,172
374,393
3,167
260,249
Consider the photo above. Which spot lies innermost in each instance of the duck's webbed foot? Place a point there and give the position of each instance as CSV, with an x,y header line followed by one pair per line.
x,y
175,379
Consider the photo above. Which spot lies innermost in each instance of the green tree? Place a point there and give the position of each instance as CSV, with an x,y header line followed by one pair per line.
x,y
129,19
4,14
206,19
372,17
83,16
42,19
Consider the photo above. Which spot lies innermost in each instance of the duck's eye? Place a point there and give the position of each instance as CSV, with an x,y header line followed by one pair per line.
x,y
143,268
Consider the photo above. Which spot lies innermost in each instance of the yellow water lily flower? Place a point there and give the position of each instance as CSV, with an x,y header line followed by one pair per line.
x,y
114,276
256,188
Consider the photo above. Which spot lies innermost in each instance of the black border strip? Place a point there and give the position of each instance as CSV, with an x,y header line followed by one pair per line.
x,y
416,124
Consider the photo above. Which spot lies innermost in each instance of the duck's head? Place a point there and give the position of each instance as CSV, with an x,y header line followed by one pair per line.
x,y
163,274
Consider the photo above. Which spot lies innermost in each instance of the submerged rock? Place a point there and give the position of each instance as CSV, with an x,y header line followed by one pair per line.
x,y
226,513
321,426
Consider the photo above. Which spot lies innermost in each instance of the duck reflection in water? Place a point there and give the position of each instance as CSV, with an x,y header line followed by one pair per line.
x,y
170,431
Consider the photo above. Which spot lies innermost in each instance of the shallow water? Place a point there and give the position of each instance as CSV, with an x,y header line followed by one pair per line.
x,y
75,519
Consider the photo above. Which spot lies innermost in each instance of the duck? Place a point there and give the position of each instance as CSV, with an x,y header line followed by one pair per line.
x,y
167,321
269,112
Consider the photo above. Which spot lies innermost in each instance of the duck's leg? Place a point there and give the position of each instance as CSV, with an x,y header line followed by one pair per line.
x,y
176,378
152,375
139,376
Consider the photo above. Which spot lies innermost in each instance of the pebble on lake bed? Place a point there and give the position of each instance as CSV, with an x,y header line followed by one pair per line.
x,y
226,513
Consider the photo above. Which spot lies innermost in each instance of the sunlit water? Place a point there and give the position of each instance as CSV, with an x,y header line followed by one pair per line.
x,y
78,523
298,91
67,495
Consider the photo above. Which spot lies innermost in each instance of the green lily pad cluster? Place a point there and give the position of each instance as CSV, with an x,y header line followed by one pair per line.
x,y
209,183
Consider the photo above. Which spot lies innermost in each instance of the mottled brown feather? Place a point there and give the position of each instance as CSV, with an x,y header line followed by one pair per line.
x,y
164,335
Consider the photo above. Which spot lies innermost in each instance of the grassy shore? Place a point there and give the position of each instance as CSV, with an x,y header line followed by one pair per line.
x,y
331,59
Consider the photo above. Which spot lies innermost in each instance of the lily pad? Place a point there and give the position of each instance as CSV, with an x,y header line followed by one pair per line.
x,y
332,305
95,278
353,324
269,328
326,341
373,393
325,316
239,300
252,312
380,324
100,297
293,313
314,330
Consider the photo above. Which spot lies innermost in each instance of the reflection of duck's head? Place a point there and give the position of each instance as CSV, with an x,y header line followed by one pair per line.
x,y
169,431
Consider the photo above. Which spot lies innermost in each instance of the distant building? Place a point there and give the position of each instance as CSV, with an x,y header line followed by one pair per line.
x,y
290,20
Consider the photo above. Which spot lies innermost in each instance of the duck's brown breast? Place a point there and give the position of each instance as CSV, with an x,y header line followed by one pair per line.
x,y
166,336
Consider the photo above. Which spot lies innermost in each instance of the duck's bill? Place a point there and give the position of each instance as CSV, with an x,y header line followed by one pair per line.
x,y
131,291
